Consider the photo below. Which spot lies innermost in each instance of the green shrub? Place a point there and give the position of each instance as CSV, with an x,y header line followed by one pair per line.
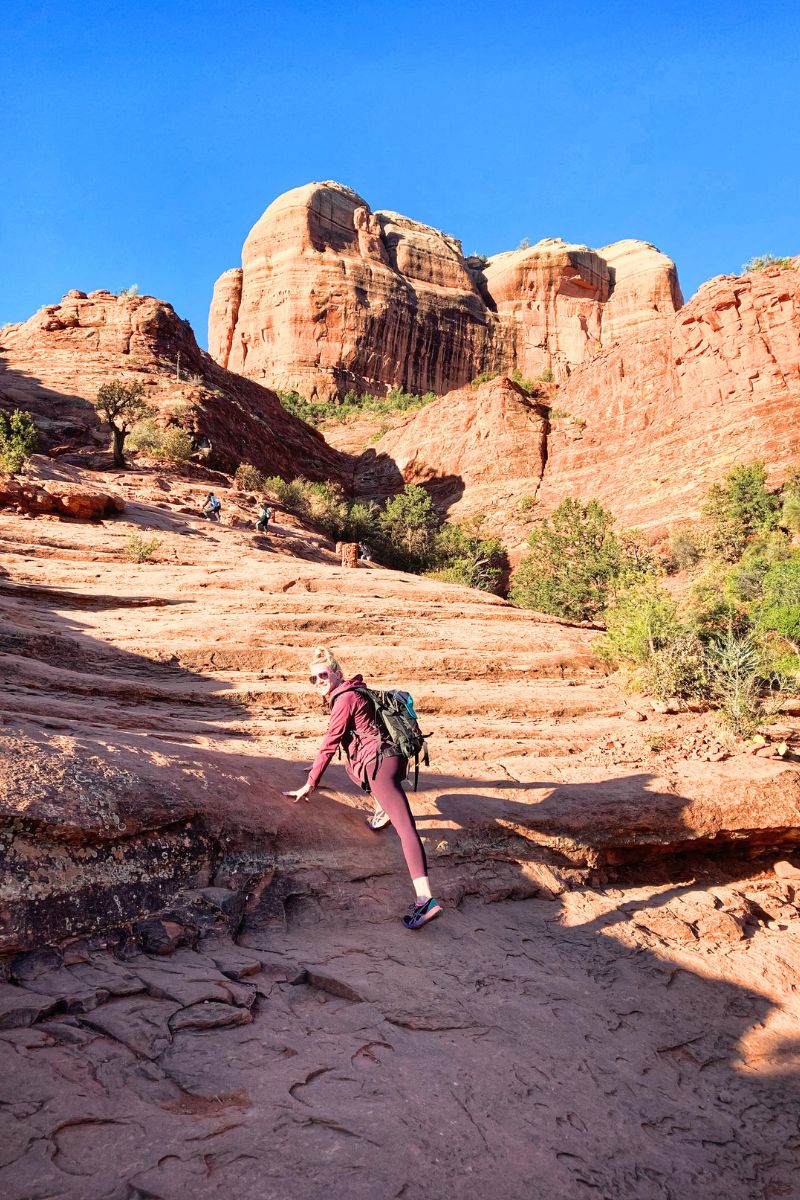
x,y
643,631
790,514
738,509
352,405
678,668
684,549
546,375
642,619
19,439
146,437
325,505
379,432
527,385
408,525
171,444
484,377
736,676
176,445
790,508
526,503
778,609
360,523
762,261
248,478
461,556
576,563
141,549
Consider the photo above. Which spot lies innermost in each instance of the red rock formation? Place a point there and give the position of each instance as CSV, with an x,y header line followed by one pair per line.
x,y
476,449
331,296
54,363
40,492
645,427
668,409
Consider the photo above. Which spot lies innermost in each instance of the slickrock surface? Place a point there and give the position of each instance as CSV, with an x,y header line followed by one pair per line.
x,y
53,364
331,295
237,1009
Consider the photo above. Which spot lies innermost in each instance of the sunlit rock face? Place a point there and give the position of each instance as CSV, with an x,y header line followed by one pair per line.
x,y
331,296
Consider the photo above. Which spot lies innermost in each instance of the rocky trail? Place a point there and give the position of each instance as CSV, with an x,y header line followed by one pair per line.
x,y
206,990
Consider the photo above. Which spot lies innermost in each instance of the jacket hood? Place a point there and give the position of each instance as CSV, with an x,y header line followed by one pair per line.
x,y
345,685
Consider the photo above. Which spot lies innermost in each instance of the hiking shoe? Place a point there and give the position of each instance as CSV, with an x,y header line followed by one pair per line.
x,y
419,914
378,820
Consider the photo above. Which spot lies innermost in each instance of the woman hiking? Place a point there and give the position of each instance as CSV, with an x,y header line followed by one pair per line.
x,y
352,726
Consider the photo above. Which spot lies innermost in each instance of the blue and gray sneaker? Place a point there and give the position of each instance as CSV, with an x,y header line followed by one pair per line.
x,y
420,913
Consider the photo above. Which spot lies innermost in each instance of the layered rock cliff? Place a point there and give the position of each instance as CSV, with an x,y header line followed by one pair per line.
x,y
645,427
53,364
667,410
331,296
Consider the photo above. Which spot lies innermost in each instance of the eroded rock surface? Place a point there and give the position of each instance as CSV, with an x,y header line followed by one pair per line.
x,y
331,295
234,1007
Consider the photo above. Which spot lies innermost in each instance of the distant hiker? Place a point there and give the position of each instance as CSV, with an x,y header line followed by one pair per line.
x,y
364,552
375,764
264,517
211,508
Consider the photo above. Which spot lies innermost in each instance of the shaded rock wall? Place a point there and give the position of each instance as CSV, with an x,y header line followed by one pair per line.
x,y
54,363
331,296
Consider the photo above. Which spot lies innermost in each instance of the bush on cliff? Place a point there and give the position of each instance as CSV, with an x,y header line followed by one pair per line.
x,y
171,444
19,439
576,563
738,509
248,478
353,404
762,261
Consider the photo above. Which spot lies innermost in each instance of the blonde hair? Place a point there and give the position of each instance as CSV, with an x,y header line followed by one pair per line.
x,y
323,657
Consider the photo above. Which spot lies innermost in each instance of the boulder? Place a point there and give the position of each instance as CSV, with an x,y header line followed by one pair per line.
x,y
65,498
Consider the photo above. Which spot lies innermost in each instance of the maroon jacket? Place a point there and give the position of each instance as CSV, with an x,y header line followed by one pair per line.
x,y
351,726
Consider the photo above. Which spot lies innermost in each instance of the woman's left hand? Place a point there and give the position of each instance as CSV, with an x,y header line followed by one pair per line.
x,y
301,793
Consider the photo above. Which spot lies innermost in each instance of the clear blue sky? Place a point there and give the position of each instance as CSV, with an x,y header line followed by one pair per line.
x,y
140,142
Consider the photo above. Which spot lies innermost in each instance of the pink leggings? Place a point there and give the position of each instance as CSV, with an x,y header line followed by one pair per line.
x,y
387,789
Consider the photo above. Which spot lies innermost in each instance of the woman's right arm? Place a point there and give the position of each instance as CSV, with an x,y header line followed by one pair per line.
x,y
337,726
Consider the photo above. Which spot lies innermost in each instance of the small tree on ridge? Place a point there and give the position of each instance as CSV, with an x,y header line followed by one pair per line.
x,y
121,405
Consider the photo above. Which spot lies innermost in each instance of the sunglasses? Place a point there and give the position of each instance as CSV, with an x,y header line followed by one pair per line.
x,y
323,677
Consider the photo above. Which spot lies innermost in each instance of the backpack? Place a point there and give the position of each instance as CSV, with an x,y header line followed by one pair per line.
x,y
397,722
215,505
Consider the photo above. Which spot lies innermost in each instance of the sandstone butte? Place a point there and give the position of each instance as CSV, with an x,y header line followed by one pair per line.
x,y
645,427
206,991
331,296
53,364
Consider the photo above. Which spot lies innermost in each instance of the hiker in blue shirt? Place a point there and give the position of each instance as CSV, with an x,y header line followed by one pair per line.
x,y
211,508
